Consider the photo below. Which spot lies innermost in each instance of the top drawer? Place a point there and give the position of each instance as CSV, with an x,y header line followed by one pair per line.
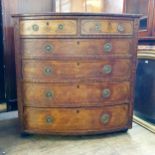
x,y
48,27
110,27
60,27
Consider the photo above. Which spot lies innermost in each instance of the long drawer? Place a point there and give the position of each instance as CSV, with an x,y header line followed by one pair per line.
x,y
75,94
67,120
51,71
51,48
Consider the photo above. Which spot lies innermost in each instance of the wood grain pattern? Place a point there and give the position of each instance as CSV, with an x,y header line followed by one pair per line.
x,y
75,94
48,27
67,120
75,47
100,27
35,70
63,79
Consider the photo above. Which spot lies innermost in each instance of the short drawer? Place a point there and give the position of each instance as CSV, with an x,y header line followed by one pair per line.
x,y
108,27
51,48
51,71
75,120
48,27
73,94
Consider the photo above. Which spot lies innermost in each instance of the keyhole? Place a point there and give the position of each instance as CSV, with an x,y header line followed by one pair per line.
x,y
78,42
77,111
78,86
78,64
47,23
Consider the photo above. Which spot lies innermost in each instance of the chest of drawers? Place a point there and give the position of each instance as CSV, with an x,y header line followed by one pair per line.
x,y
75,72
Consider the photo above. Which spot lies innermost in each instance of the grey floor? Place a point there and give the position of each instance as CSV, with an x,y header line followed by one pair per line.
x,y
137,141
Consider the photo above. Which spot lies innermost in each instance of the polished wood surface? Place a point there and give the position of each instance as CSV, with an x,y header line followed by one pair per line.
x,y
48,27
73,84
69,27
75,120
75,94
36,70
92,27
75,48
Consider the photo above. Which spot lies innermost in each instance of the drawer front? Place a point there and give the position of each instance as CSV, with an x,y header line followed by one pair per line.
x,y
110,27
48,48
48,27
50,71
73,94
75,119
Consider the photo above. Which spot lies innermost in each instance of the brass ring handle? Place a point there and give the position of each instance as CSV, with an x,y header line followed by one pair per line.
x,y
35,27
97,27
106,93
107,47
49,94
105,118
49,119
48,71
107,69
120,28
60,26
48,48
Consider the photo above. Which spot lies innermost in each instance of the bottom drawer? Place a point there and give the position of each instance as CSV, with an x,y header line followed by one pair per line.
x,y
75,120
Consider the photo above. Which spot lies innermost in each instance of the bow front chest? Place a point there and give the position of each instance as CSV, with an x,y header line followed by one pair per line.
x,y
75,72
